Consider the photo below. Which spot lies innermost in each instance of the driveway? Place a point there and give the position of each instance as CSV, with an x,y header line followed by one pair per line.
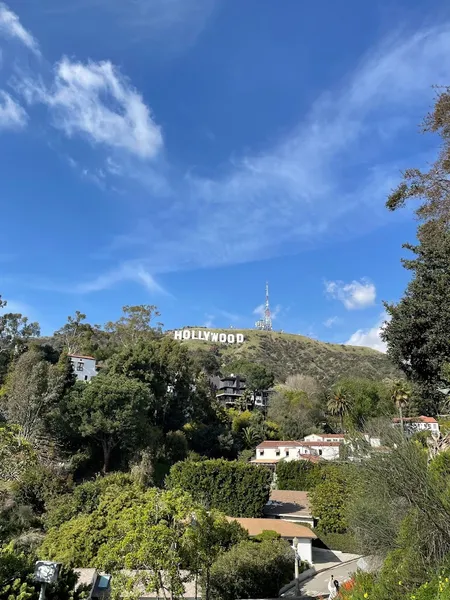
x,y
326,563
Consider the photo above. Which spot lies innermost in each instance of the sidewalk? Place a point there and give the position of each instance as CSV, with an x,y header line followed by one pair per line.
x,y
326,563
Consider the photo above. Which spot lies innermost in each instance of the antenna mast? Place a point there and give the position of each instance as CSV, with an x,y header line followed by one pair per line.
x,y
266,322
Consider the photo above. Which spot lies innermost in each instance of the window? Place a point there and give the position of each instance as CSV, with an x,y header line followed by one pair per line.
x,y
85,377
80,366
287,452
277,453
261,452
320,452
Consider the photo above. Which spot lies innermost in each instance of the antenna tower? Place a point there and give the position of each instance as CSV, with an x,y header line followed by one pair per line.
x,y
266,322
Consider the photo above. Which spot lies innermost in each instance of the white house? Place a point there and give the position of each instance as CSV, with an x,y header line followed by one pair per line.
x,y
324,437
413,424
272,451
84,367
288,531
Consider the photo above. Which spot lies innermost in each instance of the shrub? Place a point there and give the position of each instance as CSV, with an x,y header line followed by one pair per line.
x,y
236,488
299,475
251,570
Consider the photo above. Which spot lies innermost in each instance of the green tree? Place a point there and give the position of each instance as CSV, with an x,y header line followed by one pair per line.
x,y
33,387
339,404
15,329
370,399
400,394
16,453
163,365
252,570
112,411
75,335
136,324
236,488
418,332
208,537
330,497
294,412
15,333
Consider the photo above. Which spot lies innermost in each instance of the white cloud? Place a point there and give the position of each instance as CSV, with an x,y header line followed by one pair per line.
x,y
12,115
331,321
284,197
130,271
11,27
354,295
95,101
370,338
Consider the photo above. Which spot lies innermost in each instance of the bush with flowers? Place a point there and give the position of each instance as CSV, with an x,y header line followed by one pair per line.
x,y
359,587
438,588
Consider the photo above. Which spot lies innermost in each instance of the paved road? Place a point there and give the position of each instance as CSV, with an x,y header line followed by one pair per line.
x,y
318,585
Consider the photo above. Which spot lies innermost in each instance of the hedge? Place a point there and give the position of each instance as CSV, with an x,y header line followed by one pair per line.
x,y
299,475
236,488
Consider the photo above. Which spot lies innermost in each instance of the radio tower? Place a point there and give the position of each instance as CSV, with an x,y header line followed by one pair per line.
x,y
266,322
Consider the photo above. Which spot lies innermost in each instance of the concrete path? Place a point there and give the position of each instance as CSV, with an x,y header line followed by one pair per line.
x,y
326,563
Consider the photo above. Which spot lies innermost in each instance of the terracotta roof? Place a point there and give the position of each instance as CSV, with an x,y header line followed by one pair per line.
x,y
81,356
337,436
278,443
265,461
284,528
421,419
288,503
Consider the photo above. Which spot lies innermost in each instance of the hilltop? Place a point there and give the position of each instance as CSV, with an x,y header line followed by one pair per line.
x,y
288,354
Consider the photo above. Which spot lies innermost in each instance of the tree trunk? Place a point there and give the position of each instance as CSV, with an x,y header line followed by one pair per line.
x,y
342,423
400,412
107,447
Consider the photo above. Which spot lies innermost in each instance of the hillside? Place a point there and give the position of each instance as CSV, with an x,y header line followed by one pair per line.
x,y
287,354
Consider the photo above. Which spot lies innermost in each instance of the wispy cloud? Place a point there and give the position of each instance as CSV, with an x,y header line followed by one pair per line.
x,y
353,295
126,272
95,101
331,321
173,24
11,27
271,201
12,115
370,337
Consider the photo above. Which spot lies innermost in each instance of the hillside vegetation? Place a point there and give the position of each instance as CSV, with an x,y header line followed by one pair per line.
x,y
288,354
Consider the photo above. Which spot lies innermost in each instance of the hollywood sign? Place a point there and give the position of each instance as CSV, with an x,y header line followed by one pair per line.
x,y
208,336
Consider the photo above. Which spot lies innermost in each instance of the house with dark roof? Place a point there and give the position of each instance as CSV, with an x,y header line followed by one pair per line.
x,y
289,505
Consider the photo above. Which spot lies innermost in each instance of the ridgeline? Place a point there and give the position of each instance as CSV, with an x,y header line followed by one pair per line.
x,y
288,354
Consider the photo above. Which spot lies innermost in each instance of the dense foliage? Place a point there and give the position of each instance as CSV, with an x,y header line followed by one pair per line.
x,y
252,570
299,475
236,488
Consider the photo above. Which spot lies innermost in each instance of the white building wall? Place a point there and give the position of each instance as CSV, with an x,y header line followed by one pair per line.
x,y
304,550
84,368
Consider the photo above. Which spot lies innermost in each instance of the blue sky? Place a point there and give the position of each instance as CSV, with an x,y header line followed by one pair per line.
x,y
183,152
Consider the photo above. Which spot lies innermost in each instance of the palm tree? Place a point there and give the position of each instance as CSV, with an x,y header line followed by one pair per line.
x,y
400,394
250,437
339,404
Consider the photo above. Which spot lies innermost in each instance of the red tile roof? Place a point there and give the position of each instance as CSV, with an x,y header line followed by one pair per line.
x,y
420,419
279,443
81,356
284,528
